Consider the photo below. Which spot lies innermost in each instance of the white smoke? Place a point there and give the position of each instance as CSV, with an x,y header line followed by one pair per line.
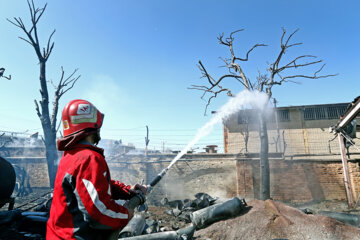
x,y
245,98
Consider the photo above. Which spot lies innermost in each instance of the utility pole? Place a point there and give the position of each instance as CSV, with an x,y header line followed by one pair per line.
x,y
347,181
277,142
340,129
163,146
147,140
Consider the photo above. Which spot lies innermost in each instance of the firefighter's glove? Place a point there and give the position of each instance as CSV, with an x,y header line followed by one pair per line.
x,y
138,188
138,199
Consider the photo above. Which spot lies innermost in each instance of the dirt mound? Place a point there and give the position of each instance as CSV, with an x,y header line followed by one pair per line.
x,y
274,220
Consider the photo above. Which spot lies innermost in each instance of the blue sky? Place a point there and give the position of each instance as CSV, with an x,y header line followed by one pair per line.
x,y
137,59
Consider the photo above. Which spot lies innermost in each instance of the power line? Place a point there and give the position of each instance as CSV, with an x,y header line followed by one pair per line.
x,y
156,130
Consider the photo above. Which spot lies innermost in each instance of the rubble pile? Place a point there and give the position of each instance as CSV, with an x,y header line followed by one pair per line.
x,y
180,218
182,209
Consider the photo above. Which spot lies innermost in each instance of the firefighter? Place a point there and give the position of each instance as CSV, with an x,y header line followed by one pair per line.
x,y
86,203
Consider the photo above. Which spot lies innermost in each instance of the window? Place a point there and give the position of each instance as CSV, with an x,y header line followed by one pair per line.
x,y
332,113
283,115
320,113
342,110
335,112
309,114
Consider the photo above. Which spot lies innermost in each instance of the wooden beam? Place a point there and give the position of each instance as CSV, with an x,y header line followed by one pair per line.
x,y
348,187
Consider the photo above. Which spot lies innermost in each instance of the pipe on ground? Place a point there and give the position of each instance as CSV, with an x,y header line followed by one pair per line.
x,y
134,228
222,211
347,218
181,234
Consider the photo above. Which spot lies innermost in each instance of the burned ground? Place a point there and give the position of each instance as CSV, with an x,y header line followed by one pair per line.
x,y
263,220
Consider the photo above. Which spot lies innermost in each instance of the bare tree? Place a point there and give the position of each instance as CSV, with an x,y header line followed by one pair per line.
x,y
48,121
2,70
275,74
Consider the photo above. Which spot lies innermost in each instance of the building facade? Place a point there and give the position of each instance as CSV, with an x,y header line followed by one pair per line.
x,y
293,130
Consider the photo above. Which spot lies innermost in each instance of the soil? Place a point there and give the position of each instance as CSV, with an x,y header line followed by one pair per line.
x,y
263,220
274,220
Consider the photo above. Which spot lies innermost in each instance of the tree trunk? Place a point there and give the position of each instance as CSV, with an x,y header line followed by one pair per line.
x,y
264,159
51,156
49,131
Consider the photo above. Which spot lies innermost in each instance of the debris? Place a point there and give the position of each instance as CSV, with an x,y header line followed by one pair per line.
x,y
221,211
181,234
9,216
16,224
135,227
151,226
347,218
183,209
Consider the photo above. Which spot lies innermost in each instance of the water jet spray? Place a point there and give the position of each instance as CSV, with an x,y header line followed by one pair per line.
x,y
254,99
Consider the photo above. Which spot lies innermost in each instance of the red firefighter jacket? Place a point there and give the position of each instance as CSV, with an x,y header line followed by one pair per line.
x,y
84,203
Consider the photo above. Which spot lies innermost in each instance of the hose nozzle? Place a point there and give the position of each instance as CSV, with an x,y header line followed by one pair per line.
x,y
156,179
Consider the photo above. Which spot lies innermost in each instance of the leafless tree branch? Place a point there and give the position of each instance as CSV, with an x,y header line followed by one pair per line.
x,y
32,33
49,47
314,76
2,70
247,54
297,62
37,109
65,84
264,82
234,68
58,128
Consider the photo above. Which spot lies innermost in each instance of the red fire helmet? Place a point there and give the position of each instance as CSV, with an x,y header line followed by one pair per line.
x,y
80,114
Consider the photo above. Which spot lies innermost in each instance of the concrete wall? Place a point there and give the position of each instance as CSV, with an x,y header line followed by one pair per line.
x,y
224,175
298,141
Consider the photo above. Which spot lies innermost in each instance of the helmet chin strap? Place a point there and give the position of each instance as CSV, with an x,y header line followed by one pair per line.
x,y
97,138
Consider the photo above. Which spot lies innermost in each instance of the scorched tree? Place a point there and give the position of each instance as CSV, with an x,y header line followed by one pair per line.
x,y
48,120
276,73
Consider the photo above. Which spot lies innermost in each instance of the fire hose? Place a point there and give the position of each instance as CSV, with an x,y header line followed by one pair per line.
x,y
140,198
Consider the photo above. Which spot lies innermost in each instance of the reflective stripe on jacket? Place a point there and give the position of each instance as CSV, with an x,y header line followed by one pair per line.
x,y
84,203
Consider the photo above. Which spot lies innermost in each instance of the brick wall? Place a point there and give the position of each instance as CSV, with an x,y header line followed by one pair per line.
x,y
35,169
224,175
298,180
